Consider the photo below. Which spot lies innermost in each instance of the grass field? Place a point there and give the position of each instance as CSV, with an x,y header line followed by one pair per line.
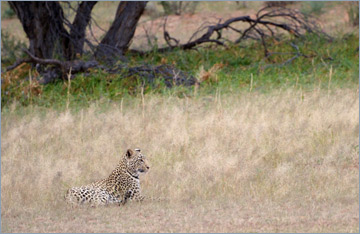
x,y
255,147
285,161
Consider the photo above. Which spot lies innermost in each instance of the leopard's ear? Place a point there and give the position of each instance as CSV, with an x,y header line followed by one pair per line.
x,y
129,153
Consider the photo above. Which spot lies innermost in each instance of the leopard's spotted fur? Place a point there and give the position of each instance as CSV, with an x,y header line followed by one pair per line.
x,y
122,185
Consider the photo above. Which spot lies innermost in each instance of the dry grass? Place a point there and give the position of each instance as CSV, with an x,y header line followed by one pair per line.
x,y
279,162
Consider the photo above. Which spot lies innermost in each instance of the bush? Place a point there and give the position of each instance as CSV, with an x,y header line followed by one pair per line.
x,y
8,13
11,49
241,4
278,3
353,12
315,8
178,7
151,10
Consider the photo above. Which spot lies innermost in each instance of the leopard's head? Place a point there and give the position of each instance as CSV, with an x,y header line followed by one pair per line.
x,y
135,162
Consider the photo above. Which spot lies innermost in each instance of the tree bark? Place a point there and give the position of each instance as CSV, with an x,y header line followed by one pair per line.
x,y
78,28
43,25
117,39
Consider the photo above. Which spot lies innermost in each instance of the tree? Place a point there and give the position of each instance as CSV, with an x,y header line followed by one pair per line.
x,y
117,39
56,41
43,23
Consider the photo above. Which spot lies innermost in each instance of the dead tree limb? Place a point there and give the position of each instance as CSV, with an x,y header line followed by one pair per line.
x,y
267,23
170,74
296,54
18,63
62,68
167,37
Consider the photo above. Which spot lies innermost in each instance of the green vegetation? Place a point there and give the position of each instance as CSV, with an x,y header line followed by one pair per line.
x,y
6,11
353,12
231,70
316,8
178,7
10,48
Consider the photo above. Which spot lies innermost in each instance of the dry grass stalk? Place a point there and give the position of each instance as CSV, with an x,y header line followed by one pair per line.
x,y
68,89
211,74
270,157
330,75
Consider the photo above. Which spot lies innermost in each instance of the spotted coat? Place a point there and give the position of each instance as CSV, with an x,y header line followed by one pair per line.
x,y
123,183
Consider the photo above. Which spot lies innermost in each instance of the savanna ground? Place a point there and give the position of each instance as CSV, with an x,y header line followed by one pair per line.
x,y
251,149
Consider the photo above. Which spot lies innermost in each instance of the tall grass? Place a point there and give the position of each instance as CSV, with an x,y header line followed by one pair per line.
x,y
291,148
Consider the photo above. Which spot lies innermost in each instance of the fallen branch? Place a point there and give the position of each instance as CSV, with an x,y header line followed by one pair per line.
x,y
171,75
75,65
61,69
167,37
265,24
296,54
148,73
17,63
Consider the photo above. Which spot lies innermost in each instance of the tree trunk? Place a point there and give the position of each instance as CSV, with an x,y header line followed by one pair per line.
x,y
43,25
78,28
117,39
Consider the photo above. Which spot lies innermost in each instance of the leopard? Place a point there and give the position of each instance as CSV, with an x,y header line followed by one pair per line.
x,y
121,186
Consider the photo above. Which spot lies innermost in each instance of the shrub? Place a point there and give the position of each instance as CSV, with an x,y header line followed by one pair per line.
x,y
278,3
353,12
8,13
310,8
10,48
178,7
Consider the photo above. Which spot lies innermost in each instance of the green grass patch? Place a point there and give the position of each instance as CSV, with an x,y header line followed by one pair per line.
x,y
238,68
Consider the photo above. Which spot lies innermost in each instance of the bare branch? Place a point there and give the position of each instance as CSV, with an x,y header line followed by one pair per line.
x,y
296,54
264,25
167,37
18,63
44,61
65,66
